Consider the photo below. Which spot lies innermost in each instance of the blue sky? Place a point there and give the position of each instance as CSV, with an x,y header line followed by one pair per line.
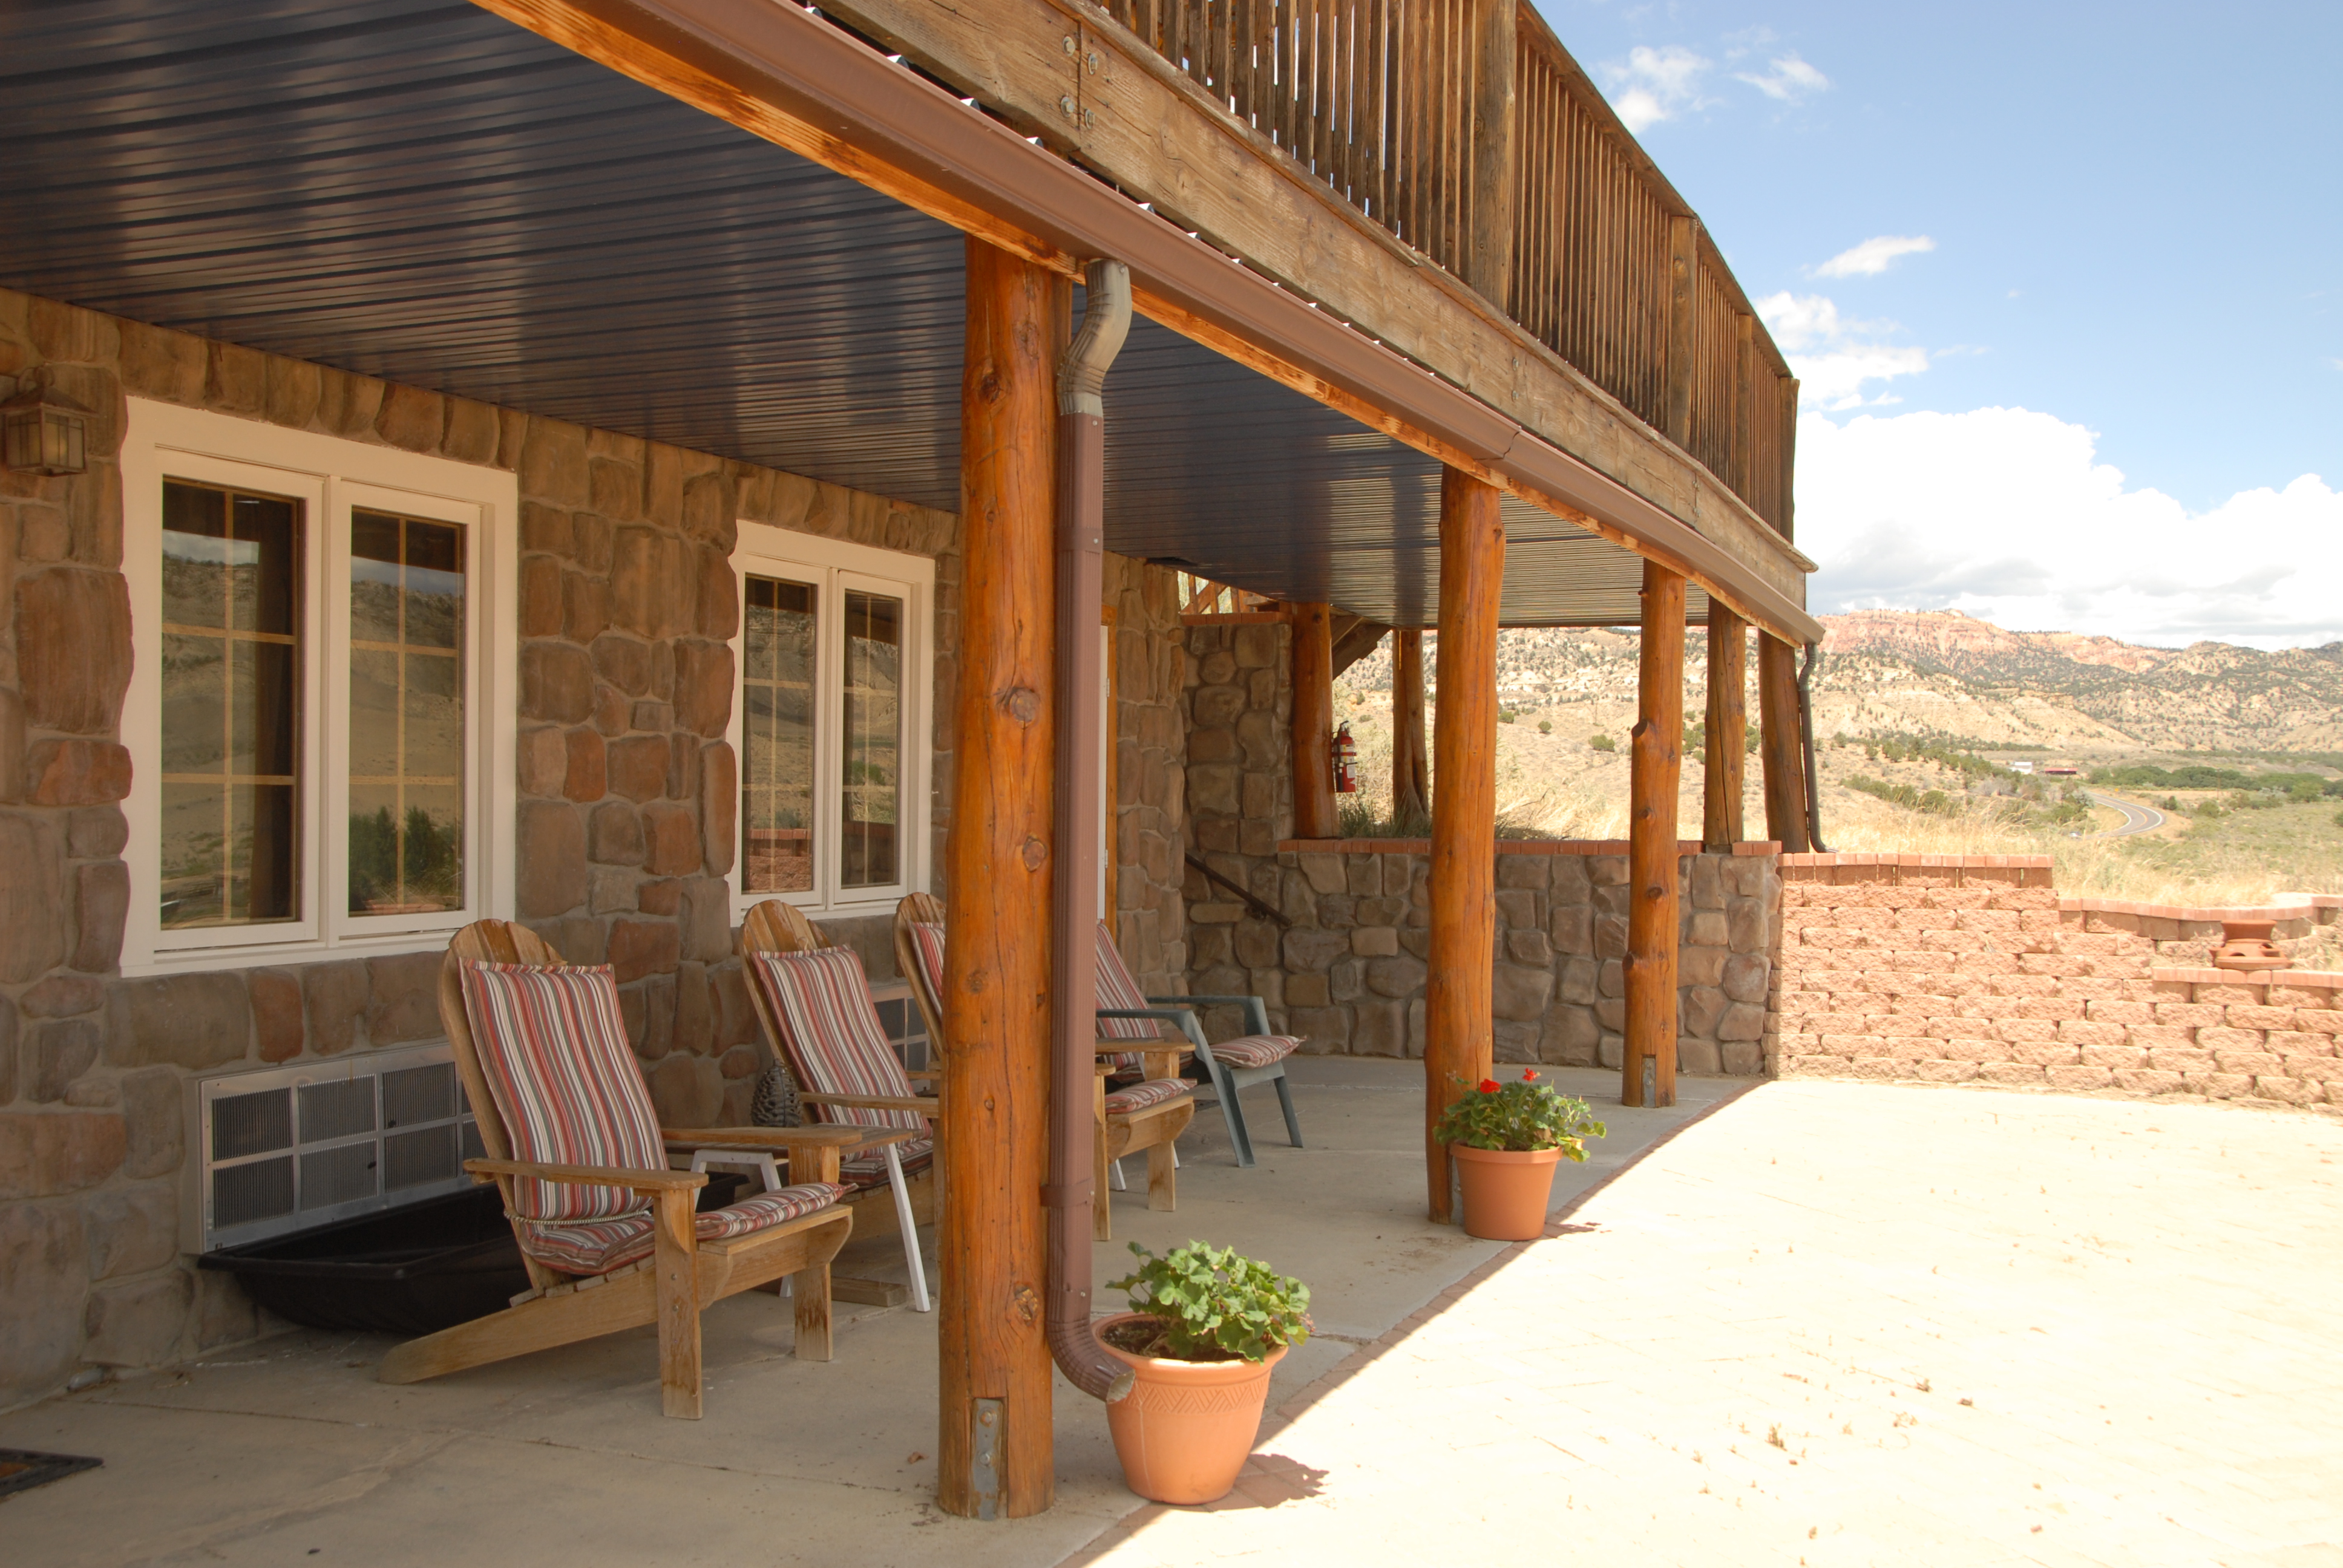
x,y
2134,217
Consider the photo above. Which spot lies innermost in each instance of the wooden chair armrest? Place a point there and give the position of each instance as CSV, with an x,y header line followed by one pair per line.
x,y
924,1104
1145,1047
930,1074
591,1175
762,1137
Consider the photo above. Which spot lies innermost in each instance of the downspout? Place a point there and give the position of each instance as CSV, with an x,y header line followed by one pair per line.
x,y
1807,739
1074,951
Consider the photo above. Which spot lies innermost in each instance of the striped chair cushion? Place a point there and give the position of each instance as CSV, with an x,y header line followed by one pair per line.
x,y
832,1033
598,1246
1139,1096
1255,1050
554,1049
1116,989
928,942
865,1172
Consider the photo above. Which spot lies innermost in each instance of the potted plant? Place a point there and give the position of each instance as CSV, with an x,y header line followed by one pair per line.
x,y
1506,1139
1205,1328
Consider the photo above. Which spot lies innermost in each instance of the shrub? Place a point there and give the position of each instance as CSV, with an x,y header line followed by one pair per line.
x,y
1212,1304
1546,727
1602,743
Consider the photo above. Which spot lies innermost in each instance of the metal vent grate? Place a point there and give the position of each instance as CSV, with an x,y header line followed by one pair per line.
x,y
298,1146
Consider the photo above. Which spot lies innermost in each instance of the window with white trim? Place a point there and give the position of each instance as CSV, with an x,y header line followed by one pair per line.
x,y
320,716
830,722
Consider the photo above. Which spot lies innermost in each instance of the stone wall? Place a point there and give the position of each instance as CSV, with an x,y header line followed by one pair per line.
x,y
1150,773
625,828
1344,961
1951,969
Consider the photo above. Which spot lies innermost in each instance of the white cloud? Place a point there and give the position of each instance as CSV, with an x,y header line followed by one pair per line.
x,y
1833,358
1870,258
2008,515
1656,85
1790,79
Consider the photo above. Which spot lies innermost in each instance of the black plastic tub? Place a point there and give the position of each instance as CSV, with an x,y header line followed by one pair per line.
x,y
409,1271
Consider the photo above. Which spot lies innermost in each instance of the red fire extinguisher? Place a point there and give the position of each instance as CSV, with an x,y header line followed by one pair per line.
x,y
1346,761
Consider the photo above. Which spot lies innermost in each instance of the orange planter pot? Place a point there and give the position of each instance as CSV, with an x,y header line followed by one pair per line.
x,y
1185,1429
1505,1191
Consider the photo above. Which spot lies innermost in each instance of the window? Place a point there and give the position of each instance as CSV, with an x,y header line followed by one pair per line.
x,y
322,694
831,724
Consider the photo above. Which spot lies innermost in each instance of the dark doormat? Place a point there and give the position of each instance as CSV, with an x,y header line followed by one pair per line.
x,y
21,1470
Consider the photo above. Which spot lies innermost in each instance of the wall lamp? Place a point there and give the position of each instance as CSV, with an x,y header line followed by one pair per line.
x,y
42,430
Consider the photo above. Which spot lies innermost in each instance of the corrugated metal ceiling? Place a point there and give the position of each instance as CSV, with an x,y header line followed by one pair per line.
x,y
417,190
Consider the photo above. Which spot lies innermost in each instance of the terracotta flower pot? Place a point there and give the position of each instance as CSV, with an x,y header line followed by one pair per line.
x,y
1505,1191
1184,1430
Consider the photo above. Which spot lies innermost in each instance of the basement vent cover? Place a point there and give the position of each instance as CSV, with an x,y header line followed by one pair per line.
x,y
301,1146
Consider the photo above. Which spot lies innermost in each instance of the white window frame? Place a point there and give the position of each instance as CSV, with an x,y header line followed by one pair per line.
x,y
833,567
328,475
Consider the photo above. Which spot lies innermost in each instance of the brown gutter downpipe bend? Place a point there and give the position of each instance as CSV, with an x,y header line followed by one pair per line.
x,y
1073,952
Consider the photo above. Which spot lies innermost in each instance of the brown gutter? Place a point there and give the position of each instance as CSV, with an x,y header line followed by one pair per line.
x,y
781,73
1073,948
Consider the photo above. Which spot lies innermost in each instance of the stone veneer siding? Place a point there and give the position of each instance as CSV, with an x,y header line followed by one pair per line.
x,y
1953,970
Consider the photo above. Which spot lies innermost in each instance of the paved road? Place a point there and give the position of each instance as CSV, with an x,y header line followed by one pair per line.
x,y
2136,819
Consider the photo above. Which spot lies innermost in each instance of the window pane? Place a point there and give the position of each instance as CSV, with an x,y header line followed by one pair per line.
x,y
873,740
406,715
231,678
777,737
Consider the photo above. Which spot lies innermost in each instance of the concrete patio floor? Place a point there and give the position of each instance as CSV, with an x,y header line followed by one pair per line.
x,y
288,1451
1827,1322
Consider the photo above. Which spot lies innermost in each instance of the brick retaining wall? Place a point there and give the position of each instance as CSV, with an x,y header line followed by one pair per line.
x,y
1949,969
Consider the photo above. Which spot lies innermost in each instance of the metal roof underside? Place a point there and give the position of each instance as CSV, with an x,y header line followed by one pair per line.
x,y
417,190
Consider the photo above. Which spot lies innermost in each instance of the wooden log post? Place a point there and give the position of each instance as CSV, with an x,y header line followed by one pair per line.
x,y
1312,651
1458,996
1723,776
994,1449
1785,758
1653,767
1411,758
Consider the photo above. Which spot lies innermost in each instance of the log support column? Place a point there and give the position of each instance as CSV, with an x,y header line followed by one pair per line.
x,y
1458,1017
993,1448
1313,634
1784,757
1410,759
1727,729
1653,769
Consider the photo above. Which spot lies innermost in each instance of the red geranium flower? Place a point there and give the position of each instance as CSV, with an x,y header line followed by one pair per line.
x,y
1488,1086
1528,1074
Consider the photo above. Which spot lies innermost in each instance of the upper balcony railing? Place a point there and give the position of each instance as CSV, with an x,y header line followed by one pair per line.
x,y
1536,196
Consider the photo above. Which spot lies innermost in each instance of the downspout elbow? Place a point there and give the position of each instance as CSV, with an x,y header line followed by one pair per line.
x,y
1106,323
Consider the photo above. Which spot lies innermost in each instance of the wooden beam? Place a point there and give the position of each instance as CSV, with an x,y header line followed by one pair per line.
x,y
1312,720
1783,756
1489,253
1653,763
1458,996
994,1453
1410,761
1723,776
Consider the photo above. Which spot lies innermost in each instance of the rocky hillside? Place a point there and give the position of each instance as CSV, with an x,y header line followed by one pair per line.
x,y
1943,673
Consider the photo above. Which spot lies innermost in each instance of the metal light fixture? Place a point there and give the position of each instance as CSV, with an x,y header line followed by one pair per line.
x,y
43,430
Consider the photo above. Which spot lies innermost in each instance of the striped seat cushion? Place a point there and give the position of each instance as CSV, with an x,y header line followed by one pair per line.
x,y
598,1246
833,1035
554,1049
1139,1096
928,942
1255,1050
865,1172
1117,990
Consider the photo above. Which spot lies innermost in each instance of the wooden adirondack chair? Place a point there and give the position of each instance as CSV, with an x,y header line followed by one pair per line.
x,y
693,1259
901,1188
1150,1114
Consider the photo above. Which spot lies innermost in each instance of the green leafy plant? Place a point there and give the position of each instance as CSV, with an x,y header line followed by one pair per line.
x,y
1602,743
1211,1304
1521,1115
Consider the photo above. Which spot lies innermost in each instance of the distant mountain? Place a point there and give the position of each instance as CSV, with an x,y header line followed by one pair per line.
x,y
1942,672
